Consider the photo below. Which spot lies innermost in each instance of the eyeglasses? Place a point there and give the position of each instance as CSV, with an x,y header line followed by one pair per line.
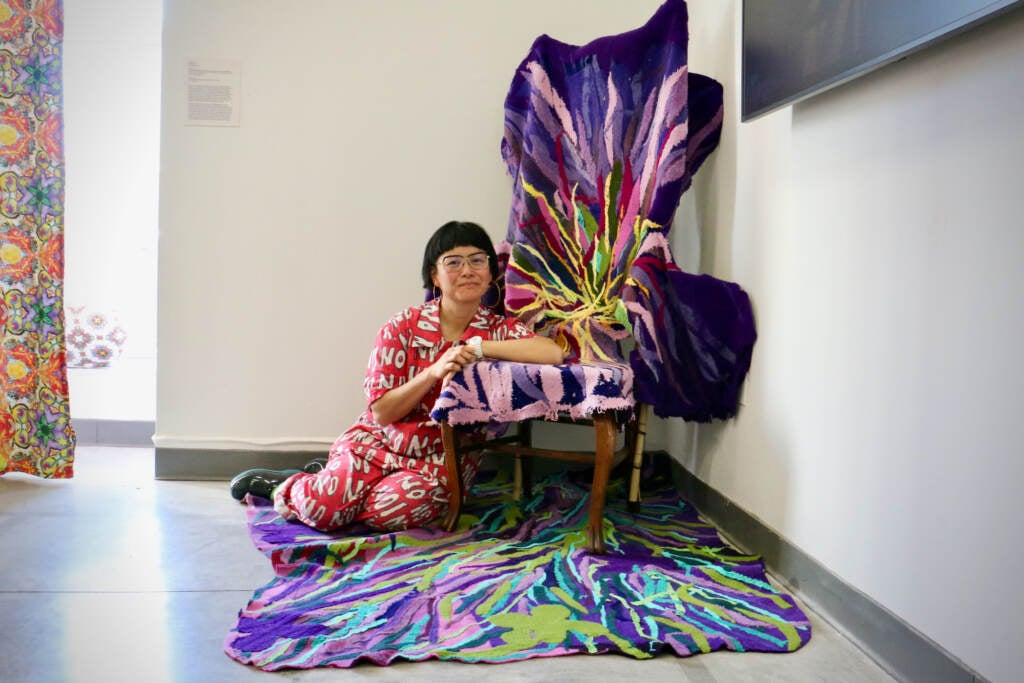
x,y
453,264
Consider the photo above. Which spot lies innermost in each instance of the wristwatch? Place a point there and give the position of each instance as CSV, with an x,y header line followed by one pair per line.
x,y
478,346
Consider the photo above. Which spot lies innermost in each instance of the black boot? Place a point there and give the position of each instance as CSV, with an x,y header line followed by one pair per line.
x,y
259,483
315,465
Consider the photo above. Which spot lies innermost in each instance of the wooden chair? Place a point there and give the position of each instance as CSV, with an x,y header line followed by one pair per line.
x,y
630,418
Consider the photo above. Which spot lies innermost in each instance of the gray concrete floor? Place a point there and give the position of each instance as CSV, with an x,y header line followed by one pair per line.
x,y
114,576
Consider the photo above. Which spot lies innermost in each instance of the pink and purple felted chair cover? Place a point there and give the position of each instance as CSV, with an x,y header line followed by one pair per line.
x,y
601,140
499,392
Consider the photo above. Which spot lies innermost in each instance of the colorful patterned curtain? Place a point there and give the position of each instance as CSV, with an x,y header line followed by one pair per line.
x,y
35,425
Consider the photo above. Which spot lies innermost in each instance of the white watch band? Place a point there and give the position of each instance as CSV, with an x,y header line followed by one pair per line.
x,y
478,346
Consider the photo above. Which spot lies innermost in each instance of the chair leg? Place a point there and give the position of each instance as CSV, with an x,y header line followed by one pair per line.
x,y
633,502
517,477
449,439
604,427
524,464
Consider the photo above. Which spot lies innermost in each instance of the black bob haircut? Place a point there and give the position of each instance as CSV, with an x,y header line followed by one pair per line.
x,y
456,234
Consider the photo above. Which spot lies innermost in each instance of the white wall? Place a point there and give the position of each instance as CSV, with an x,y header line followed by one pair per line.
x,y
877,228
112,147
286,242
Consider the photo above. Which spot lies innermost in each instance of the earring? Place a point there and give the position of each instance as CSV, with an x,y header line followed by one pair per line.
x,y
436,292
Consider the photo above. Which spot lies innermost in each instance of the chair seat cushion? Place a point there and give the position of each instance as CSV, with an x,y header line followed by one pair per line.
x,y
502,392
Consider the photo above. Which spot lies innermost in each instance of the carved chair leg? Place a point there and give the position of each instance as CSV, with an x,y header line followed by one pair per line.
x,y
449,439
633,502
604,427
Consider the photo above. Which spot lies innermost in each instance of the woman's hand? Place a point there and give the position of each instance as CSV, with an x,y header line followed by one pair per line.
x,y
451,361
399,402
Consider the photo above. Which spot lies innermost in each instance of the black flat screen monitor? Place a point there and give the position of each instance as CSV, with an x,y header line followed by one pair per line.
x,y
793,49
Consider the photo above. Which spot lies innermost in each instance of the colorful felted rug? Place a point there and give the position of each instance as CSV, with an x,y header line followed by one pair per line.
x,y
512,582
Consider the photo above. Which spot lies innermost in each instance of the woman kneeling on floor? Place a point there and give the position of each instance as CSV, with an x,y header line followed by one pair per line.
x,y
388,470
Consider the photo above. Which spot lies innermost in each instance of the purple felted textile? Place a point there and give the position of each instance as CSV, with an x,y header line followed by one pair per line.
x,y
514,581
503,392
601,140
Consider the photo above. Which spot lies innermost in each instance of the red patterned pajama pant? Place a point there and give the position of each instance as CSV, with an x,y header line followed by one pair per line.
x,y
363,482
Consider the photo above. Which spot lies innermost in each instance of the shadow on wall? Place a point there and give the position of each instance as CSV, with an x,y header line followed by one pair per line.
x,y
758,440
746,458
714,42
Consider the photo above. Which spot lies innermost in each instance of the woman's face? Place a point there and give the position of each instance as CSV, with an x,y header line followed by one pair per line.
x,y
463,274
